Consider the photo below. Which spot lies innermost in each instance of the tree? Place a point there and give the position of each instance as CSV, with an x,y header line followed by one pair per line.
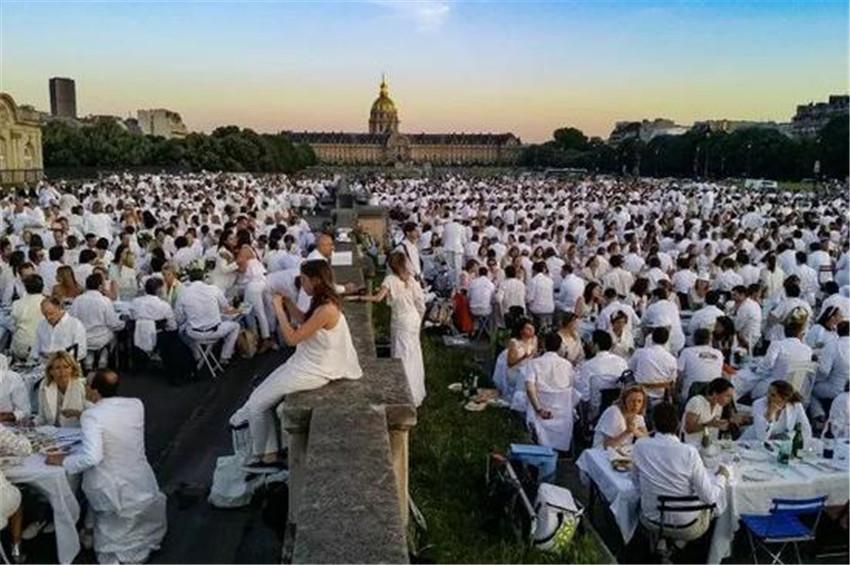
x,y
833,146
570,138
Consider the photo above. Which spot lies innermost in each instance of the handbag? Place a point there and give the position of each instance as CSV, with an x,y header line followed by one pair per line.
x,y
246,344
558,517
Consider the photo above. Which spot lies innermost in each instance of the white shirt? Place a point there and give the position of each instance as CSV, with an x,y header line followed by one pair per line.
x,y
47,270
511,293
748,321
664,466
705,317
541,294
593,375
481,290
569,291
611,424
26,314
653,364
14,396
700,406
550,371
154,308
67,332
699,364
784,423
834,364
620,280
98,316
839,416
782,354
199,305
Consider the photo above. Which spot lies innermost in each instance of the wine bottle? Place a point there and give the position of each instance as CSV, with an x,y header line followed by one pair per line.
x,y
828,442
797,442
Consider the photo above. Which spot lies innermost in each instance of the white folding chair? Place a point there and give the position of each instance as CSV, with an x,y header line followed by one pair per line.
x,y
208,358
801,377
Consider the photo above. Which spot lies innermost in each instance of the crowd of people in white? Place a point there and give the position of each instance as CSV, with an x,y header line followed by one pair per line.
x,y
707,295
730,305
151,258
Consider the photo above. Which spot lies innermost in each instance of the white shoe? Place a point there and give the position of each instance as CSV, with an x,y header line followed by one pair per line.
x,y
33,529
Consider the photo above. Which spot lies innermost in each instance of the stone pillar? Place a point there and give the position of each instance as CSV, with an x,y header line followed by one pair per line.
x,y
399,450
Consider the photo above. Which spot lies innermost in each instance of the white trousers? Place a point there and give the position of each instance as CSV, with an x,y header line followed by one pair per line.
x,y
228,331
258,409
257,295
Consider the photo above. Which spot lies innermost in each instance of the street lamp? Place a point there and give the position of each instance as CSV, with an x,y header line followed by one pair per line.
x,y
696,162
707,134
749,148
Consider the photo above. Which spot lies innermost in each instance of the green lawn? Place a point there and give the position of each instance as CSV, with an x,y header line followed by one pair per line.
x,y
448,455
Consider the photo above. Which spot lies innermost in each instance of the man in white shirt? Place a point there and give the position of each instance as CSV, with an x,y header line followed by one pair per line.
x,y
602,371
780,357
453,242
14,397
704,412
748,318
511,292
26,314
198,311
129,510
663,312
728,278
664,466
541,296
549,372
58,331
47,269
700,363
98,223
481,291
654,366
618,278
570,289
833,372
98,316
706,316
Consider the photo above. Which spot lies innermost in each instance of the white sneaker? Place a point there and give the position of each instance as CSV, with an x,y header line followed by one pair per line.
x,y
33,529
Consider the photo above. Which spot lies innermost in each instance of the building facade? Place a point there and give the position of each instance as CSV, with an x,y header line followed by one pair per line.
x,y
63,98
21,158
161,122
385,145
810,118
645,130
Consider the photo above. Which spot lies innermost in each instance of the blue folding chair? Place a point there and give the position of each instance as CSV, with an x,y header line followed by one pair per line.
x,y
783,526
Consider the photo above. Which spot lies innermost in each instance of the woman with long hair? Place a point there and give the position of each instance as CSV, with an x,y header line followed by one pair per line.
x,y
571,347
226,269
324,352
589,303
122,270
778,413
622,422
252,275
62,392
66,288
407,301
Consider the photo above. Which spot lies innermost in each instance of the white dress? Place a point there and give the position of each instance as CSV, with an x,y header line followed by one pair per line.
x,y
257,295
408,305
325,356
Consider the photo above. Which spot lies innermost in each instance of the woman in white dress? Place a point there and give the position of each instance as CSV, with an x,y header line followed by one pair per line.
x,y
324,352
123,272
407,300
62,392
226,269
622,422
253,278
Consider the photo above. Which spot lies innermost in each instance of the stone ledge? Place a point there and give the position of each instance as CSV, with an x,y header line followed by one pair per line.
x,y
349,512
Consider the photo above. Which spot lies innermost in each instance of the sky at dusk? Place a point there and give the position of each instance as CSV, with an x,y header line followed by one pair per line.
x,y
484,66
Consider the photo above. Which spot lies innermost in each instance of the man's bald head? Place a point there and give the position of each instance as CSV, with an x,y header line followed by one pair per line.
x,y
105,383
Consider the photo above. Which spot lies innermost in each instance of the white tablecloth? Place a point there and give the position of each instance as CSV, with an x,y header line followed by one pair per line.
x,y
796,480
53,482
617,488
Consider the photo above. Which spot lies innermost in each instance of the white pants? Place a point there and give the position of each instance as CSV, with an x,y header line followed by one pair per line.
x,y
257,295
228,331
257,410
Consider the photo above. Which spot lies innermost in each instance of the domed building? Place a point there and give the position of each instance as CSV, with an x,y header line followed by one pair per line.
x,y
384,145
384,117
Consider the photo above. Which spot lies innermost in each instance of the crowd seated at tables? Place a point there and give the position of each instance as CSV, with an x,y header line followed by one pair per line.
x,y
725,308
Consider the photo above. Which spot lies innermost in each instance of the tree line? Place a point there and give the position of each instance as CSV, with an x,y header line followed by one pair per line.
x,y
105,144
751,152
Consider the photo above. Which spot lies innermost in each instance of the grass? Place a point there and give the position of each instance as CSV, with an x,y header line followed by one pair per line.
x,y
448,455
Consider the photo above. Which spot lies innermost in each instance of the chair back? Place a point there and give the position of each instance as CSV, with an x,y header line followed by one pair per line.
x,y
73,350
798,507
679,505
800,375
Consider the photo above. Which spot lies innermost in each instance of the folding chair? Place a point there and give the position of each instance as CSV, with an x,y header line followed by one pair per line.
x,y
783,526
673,505
208,357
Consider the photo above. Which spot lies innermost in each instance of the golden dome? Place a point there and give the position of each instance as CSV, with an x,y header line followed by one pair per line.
x,y
384,117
